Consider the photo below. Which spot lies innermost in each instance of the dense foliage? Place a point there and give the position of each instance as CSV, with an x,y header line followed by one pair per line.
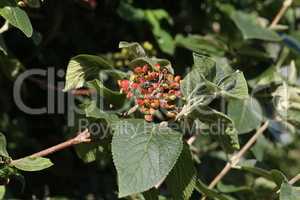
x,y
154,99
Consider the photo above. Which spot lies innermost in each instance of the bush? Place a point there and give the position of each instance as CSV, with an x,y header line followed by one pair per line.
x,y
200,100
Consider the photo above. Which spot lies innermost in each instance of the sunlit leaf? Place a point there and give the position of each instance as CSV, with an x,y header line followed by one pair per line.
x,y
3,151
201,44
84,68
247,114
2,192
250,29
32,163
16,17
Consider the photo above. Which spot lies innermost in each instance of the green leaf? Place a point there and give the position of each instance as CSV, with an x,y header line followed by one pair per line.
x,y
3,151
84,68
269,76
95,150
274,175
234,86
217,79
144,154
135,49
163,37
223,127
211,193
201,86
247,114
6,172
92,110
32,163
112,97
232,188
202,44
204,68
90,152
250,29
286,102
130,13
289,192
2,191
17,17
154,18
142,61
182,179
164,63
260,147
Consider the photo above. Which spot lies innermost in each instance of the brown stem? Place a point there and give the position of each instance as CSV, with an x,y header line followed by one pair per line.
x,y
236,158
294,179
286,4
191,140
83,137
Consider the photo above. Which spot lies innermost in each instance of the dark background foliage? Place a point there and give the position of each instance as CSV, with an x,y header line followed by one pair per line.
x,y
64,29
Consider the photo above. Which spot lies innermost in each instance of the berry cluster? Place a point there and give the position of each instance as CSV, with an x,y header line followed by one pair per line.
x,y
155,91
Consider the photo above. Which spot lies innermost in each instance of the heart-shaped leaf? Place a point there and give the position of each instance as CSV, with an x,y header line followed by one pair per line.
x,y
143,154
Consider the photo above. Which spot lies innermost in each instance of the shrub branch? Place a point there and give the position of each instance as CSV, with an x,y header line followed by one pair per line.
x,y
82,137
286,4
236,158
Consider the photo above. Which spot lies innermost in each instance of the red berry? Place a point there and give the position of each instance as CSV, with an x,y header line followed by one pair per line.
x,y
134,85
142,80
155,85
129,95
125,84
177,79
138,70
157,66
171,92
145,68
174,85
150,89
140,102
